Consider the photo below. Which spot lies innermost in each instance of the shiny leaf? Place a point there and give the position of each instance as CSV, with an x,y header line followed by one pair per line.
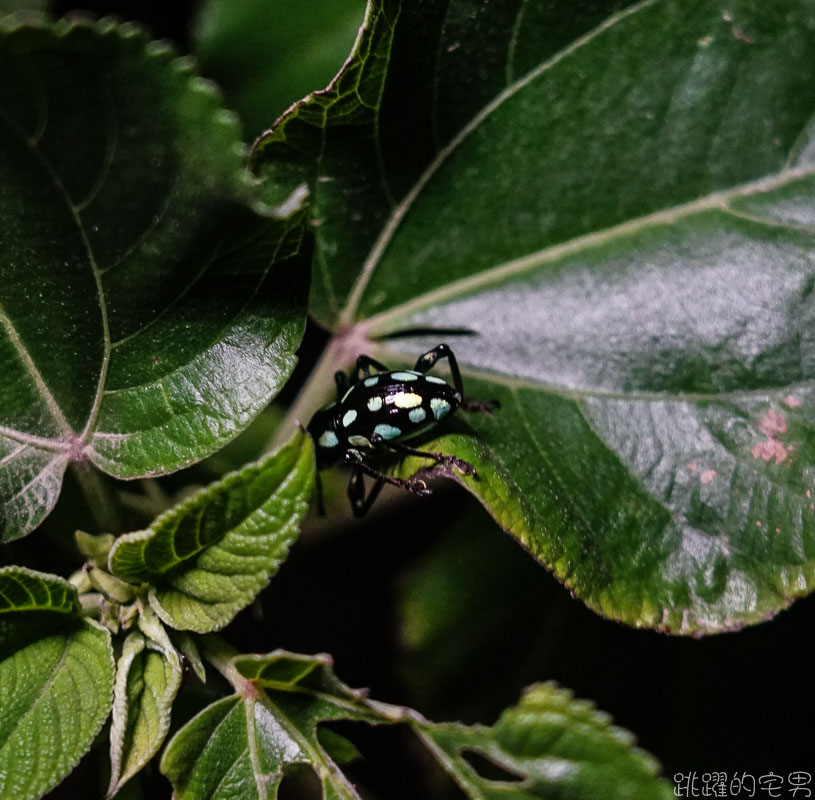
x,y
150,305
614,202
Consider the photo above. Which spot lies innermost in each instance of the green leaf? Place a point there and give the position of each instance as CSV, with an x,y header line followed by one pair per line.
x,y
548,746
147,681
95,548
293,49
150,305
618,210
24,589
208,557
189,649
56,676
240,746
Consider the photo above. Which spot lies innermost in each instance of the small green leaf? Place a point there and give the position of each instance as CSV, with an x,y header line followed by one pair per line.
x,y
293,49
617,209
146,685
189,649
112,587
95,548
56,677
150,304
209,557
549,745
241,746
24,589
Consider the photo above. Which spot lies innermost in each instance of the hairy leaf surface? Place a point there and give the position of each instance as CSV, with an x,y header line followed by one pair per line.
x,y
239,747
56,677
208,557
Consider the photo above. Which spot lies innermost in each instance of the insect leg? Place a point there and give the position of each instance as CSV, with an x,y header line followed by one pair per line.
x,y
464,467
318,492
343,383
356,488
429,359
364,364
360,503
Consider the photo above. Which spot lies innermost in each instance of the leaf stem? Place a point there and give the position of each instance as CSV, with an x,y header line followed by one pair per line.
x,y
99,496
339,354
220,654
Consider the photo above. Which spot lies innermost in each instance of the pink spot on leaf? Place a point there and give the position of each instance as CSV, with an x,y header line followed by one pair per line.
x,y
768,450
772,424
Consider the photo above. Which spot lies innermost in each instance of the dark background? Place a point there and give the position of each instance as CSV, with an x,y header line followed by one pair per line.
x,y
730,703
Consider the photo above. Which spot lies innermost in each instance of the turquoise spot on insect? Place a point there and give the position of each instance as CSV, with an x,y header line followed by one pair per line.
x,y
387,431
439,407
417,415
374,403
434,379
404,376
358,441
349,417
371,381
328,439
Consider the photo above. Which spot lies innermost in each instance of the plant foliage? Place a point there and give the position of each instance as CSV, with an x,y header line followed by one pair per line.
x,y
607,212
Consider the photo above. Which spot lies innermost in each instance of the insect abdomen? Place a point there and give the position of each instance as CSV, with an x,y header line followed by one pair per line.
x,y
395,405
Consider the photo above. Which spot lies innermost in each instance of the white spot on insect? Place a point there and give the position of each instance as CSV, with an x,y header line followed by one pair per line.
x,y
417,415
404,376
374,403
439,407
434,379
371,381
407,400
387,431
328,439
349,417
358,441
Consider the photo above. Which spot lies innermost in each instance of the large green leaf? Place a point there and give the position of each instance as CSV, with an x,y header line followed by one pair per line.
x,y
618,208
208,557
240,746
266,54
150,305
548,746
56,676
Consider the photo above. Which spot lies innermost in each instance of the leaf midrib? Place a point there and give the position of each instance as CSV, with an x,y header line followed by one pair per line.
x,y
382,242
54,409
387,322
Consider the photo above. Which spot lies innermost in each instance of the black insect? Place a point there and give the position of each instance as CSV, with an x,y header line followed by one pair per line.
x,y
375,412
